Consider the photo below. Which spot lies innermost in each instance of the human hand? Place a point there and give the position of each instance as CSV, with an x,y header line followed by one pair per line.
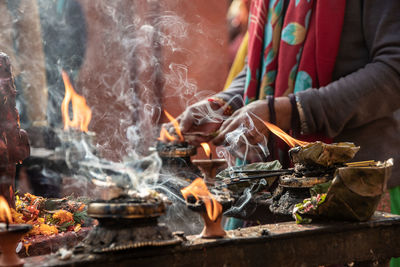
x,y
199,122
249,117
245,132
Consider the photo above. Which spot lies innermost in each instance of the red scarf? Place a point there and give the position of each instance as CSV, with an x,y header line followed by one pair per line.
x,y
295,53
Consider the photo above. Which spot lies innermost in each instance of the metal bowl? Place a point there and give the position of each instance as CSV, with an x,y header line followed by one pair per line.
x,y
179,152
14,228
125,210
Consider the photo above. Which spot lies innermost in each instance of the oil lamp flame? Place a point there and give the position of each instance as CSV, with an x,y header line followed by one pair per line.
x,y
176,126
165,136
292,142
82,114
207,149
199,190
5,211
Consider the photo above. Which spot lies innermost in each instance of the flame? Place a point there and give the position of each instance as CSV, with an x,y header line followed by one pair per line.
x,y
206,148
5,211
165,136
292,142
176,125
199,190
81,112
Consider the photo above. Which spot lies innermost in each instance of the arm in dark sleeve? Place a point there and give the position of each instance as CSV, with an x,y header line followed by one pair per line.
x,y
233,95
365,95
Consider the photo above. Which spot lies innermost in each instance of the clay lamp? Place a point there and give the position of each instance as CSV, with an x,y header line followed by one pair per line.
x,y
199,199
10,235
209,167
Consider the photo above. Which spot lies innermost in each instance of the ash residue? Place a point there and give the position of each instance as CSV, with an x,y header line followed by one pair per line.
x,y
284,200
172,146
301,170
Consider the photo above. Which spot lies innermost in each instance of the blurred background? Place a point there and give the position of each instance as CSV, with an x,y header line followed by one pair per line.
x,y
129,59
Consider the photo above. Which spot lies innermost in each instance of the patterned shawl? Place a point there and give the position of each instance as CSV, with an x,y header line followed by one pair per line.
x,y
292,52
296,56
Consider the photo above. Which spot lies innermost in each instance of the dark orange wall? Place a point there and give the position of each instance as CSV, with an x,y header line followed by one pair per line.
x,y
204,52
201,51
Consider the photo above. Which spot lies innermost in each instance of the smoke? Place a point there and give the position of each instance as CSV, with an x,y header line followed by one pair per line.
x,y
141,33
133,37
121,56
237,142
177,78
245,206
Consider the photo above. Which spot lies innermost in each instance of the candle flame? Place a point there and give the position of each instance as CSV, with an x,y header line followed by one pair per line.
x,y
165,136
206,148
5,211
199,190
292,142
82,114
176,125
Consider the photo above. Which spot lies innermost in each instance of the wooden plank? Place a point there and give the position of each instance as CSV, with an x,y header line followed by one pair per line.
x,y
281,244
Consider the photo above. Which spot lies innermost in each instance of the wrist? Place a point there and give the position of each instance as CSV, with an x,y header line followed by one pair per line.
x,y
295,121
283,111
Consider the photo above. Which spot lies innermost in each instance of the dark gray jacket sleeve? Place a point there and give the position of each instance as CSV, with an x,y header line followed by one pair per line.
x,y
369,93
234,93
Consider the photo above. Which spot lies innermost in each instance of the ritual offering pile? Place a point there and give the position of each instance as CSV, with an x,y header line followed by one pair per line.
x,y
323,183
354,190
315,165
49,216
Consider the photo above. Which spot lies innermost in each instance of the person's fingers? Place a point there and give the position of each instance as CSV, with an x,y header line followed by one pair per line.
x,y
252,137
253,131
257,134
186,121
226,127
234,122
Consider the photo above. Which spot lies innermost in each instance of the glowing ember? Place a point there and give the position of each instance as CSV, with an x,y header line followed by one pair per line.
x,y
81,112
5,211
207,149
176,125
199,190
292,142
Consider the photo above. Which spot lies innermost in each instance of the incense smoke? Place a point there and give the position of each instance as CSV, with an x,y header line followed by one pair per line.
x,y
120,55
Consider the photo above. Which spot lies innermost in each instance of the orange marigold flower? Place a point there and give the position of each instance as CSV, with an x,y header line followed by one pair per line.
x,y
17,217
31,197
81,207
46,229
63,216
34,231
